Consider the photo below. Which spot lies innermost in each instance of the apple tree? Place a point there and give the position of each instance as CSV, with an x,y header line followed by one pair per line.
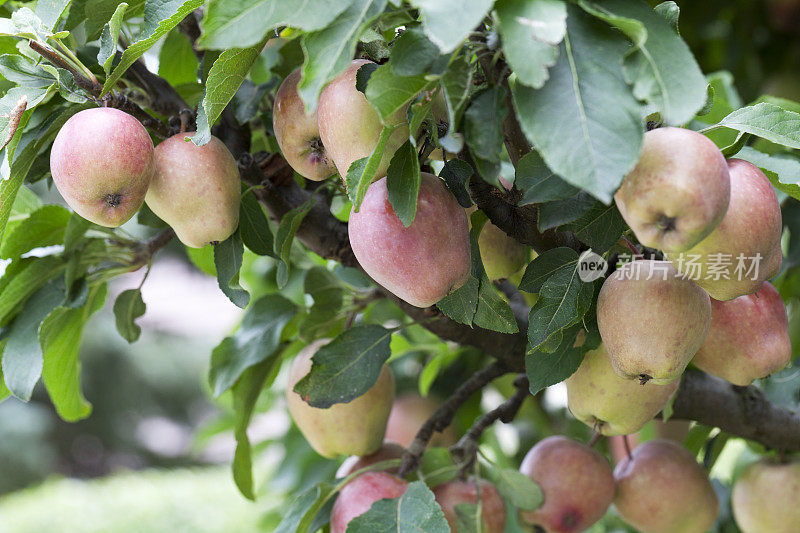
x,y
478,198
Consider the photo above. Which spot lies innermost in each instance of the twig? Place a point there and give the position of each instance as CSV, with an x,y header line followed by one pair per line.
x,y
443,417
148,248
627,445
80,80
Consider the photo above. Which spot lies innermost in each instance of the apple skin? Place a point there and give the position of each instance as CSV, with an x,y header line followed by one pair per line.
x,y
501,254
577,483
102,163
350,127
388,450
611,404
196,190
354,428
765,497
676,430
752,226
409,412
748,337
678,191
359,494
493,509
420,264
662,489
297,133
651,326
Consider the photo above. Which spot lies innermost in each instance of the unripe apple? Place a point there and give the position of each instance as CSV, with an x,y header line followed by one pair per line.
x,y
357,497
748,337
422,263
751,229
662,489
102,163
766,497
652,320
354,428
611,404
678,191
493,508
577,483
501,254
350,127
389,450
409,412
297,132
196,190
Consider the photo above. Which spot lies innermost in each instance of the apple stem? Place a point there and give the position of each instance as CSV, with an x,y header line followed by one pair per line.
x,y
596,436
627,444
626,242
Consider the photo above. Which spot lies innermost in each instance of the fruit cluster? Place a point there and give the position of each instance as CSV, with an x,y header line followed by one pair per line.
x,y
105,167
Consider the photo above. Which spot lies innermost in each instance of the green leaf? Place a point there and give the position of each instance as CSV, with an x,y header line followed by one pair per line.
x,y
257,339
483,126
518,489
448,22
176,62
254,227
779,168
49,11
767,121
462,303
302,510
585,122
389,92
412,53
362,171
17,285
22,358
559,212
546,265
600,227
127,308
245,394
159,18
660,66
402,181
110,37
468,518
346,367
328,294
538,183
414,511
241,23
23,72
328,51
284,237
60,337
44,227
530,30
227,261
546,369
456,174
455,86
226,75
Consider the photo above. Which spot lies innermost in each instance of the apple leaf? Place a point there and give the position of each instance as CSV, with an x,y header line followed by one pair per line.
x,y
60,338
127,308
362,171
228,261
780,169
559,212
455,86
518,489
328,294
242,23
600,227
224,79
768,121
456,174
448,22
660,66
403,181
49,11
538,183
257,339
584,121
468,518
483,130
531,31
254,227
346,367
176,62
304,508
284,237
23,278
109,38
546,265
416,510
546,369
412,53
328,51
388,92
44,227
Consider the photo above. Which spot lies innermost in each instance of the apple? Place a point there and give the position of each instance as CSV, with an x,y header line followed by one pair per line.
x,y
750,232
652,320
678,191
102,163
350,127
662,489
196,190
359,494
577,483
297,133
493,509
409,412
611,404
420,264
354,428
501,254
765,497
389,450
748,337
